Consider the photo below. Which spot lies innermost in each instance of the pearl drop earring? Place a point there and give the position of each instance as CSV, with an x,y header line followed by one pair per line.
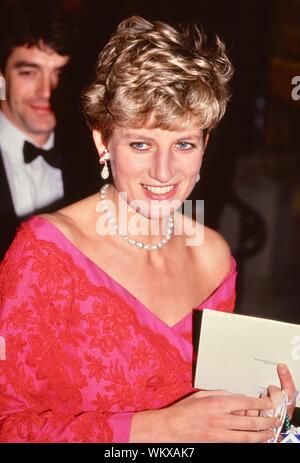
x,y
104,157
198,178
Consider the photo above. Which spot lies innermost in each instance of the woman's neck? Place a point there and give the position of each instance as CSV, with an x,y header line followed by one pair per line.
x,y
133,223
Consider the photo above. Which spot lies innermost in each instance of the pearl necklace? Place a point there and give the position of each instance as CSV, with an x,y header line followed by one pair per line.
x,y
139,244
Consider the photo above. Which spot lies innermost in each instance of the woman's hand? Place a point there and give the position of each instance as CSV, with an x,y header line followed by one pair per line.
x,y
286,384
275,392
206,417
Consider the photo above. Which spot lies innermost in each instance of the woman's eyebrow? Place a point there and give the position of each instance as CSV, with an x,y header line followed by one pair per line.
x,y
190,136
138,135
147,137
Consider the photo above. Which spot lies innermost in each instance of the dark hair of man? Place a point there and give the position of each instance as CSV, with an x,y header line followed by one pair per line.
x,y
34,23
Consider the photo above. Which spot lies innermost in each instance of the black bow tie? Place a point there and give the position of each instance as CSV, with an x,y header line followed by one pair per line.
x,y
50,156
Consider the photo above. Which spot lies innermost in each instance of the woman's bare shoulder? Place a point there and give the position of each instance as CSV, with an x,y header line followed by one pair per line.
x,y
211,250
216,244
217,253
73,219
202,239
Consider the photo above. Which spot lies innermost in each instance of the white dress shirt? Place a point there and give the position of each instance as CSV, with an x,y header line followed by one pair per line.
x,y
33,185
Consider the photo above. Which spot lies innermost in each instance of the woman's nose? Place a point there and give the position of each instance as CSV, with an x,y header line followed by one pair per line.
x,y
162,169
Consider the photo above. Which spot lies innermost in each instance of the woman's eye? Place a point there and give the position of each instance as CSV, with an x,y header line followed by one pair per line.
x,y
140,146
185,146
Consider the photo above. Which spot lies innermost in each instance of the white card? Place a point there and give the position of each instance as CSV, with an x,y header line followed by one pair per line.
x,y
239,354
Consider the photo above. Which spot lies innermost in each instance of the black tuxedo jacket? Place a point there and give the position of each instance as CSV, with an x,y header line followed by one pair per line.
x,y
80,174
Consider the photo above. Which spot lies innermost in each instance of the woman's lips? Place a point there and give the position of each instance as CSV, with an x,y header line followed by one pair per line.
x,y
160,193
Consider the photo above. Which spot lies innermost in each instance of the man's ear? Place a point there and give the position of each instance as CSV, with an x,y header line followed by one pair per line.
x,y
98,140
2,87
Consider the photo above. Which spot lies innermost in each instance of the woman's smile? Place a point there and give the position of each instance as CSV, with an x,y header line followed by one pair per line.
x,y
160,192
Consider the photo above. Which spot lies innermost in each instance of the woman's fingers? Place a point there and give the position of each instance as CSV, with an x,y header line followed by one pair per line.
x,y
236,403
246,413
240,413
247,437
201,394
247,423
287,383
275,394
252,413
286,380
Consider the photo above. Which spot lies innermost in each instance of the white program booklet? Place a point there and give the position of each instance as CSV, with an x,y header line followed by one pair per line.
x,y
239,354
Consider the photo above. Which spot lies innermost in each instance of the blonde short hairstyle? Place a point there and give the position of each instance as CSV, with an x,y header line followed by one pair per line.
x,y
150,74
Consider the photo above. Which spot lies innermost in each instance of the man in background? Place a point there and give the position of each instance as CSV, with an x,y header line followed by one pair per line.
x,y
36,175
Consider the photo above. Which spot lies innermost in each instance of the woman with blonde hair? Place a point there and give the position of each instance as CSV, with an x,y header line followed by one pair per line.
x,y
97,299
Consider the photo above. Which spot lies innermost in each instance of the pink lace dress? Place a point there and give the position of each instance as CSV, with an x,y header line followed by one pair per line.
x,y
82,353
